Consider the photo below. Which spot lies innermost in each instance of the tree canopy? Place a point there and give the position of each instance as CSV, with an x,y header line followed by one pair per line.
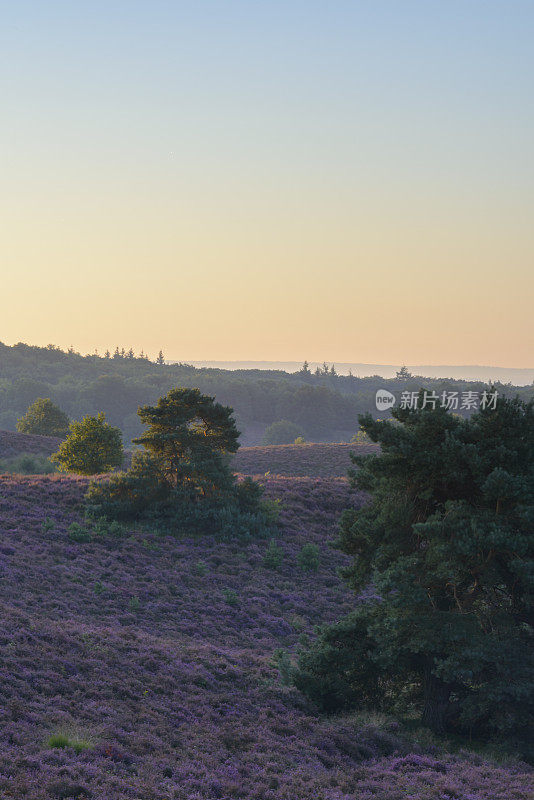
x,y
181,477
92,447
446,547
45,418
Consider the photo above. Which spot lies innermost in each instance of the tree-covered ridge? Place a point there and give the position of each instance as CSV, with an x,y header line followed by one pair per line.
x,y
324,406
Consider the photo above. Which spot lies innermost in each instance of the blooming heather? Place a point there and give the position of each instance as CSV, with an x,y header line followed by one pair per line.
x,y
121,641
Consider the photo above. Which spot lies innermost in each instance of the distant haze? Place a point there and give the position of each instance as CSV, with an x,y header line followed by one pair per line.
x,y
517,377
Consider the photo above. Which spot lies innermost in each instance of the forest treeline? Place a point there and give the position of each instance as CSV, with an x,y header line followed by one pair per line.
x,y
323,404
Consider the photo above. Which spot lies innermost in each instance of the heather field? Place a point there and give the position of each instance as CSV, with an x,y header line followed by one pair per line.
x,y
310,459
154,657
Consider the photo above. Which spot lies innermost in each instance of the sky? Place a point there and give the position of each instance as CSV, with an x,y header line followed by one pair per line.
x,y
270,180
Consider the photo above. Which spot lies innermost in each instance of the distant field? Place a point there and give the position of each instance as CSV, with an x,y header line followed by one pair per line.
x,y
299,460
15,444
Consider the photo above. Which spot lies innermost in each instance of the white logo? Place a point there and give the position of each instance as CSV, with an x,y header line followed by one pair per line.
x,y
384,400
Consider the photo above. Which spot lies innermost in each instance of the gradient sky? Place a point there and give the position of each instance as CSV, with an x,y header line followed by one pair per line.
x,y
349,181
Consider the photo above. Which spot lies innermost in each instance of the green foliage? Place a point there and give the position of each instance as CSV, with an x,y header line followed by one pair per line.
x,y
282,661
200,568
43,417
134,604
231,597
300,440
361,437
308,558
447,544
183,481
93,446
62,741
273,556
339,671
188,435
77,533
27,464
281,432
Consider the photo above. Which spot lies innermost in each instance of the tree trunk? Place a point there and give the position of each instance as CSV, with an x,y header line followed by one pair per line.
x,y
436,702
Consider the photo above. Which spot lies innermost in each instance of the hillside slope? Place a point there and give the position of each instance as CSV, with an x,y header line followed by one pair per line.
x,y
15,444
158,651
310,459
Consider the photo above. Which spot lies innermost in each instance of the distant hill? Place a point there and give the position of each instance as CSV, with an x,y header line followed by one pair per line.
x,y
16,444
517,376
324,406
299,460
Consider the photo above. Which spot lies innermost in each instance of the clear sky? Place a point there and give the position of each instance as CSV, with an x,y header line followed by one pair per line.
x,y
270,179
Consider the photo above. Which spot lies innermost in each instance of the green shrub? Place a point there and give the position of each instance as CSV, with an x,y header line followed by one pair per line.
x,y
308,558
273,556
91,447
77,533
62,741
200,568
134,604
231,597
282,660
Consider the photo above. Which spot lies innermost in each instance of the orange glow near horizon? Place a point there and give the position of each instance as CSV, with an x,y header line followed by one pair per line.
x,y
342,201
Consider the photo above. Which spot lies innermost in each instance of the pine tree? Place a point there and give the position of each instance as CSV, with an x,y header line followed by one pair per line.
x,y
446,543
160,360
404,374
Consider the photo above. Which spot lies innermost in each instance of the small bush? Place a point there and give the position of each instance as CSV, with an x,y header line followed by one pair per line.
x,y
62,741
200,568
134,604
308,558
273,556
282,660
231,597
77,533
